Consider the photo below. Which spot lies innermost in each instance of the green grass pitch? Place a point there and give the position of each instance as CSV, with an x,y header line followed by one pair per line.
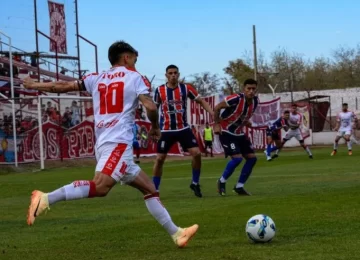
x,y
314,203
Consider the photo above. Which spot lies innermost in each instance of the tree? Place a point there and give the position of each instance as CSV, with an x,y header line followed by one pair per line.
x,y
206,83
239,70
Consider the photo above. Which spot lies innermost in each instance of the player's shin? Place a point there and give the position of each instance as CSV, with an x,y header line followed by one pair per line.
x,y
157,181
268,150
230,168
73,191
307,149
158,211
196,169
246,171
349,145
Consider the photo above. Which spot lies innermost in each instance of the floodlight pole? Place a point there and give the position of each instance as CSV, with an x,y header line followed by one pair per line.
x,y
255,53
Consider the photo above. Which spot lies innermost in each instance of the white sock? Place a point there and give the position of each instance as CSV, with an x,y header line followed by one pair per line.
x,y
353,140
158,211
57,195
349,145
239,185
335,146
307,149
222,180
277,151
73,191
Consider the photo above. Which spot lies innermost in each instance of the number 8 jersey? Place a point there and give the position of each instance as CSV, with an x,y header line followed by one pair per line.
x,y
115,99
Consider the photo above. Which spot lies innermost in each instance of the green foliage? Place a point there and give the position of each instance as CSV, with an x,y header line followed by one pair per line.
x,y
293,72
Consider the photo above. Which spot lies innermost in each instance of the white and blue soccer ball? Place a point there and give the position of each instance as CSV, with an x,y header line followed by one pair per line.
x,y
260,229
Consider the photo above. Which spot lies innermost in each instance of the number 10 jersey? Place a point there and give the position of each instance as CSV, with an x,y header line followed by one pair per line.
x,y
115,98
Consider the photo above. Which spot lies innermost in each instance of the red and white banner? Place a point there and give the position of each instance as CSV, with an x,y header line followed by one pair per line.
x,y
57,27
199,116
77,142
266,113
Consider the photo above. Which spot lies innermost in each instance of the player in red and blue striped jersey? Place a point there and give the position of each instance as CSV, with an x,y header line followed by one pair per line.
x,y
171,98
273,134
238,109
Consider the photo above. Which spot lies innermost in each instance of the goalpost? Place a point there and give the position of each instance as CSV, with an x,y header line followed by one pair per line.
x,y
60,105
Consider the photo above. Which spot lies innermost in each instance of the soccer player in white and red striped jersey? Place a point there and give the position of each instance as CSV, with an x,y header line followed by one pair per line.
x,y
116,94
295,121
172,100
345,121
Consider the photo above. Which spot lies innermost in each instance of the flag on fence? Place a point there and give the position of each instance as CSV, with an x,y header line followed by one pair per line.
x,y
57,27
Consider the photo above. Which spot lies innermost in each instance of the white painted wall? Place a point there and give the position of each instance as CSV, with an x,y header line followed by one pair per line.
x,y
337,96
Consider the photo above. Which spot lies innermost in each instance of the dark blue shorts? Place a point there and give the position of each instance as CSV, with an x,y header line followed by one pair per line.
x,y
235,144
136,145
185,137
275,135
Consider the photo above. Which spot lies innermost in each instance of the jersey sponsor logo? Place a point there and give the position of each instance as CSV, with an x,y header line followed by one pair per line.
x,y
103,124
179,111
173,102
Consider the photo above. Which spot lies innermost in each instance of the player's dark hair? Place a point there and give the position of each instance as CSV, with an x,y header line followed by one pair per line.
x,y
171,67
250,82
286,112
345,104
119,48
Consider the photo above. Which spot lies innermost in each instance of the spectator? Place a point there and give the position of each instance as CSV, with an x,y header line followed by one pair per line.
x,y
75,112
67,118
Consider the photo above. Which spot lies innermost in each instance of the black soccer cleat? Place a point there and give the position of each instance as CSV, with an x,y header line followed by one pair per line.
x,y
221,188
241,191
274,156
311,157
196,189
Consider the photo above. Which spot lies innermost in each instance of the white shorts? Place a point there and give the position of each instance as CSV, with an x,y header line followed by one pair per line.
x,y
343,132
294,133
116,160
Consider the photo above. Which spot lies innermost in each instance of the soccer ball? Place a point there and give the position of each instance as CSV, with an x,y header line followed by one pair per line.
x,y
260,228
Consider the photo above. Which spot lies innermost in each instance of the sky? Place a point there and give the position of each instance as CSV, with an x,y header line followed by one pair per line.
x,y
197,36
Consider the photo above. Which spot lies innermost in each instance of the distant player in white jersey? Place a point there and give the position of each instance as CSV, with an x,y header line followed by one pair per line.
x,y
116,94
294,122
345,122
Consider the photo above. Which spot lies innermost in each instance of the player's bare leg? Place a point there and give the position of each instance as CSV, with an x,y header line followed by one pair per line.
x,y
336,144
196,170
280,145
230,168
250,161
349,144
100,187
181,236
269,149
158,169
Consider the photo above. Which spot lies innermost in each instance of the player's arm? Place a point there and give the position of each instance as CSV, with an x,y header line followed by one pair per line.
x,y
337,126
54,87
194,95
151,109
217,110
356,121
205,105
